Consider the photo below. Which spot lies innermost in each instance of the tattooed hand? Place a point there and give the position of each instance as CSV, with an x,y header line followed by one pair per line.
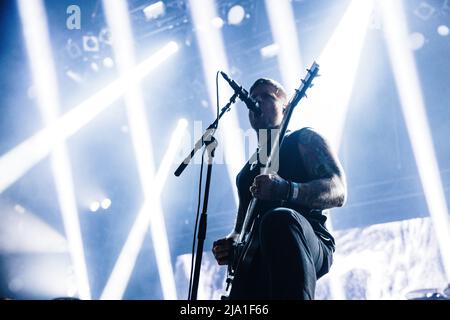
x,y
269,187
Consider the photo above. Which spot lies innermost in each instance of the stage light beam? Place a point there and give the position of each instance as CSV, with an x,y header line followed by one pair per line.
x,y
284,31
327,104
16,162
118,21
414,113
214,58
123,267
36,34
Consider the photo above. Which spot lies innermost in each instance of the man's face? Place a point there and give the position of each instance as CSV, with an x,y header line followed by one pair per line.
x,y
271,108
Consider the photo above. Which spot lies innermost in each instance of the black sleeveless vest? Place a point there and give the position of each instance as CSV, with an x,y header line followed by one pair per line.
x,y
291,168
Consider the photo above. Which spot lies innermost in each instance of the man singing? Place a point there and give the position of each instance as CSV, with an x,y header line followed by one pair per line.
x,y
294,246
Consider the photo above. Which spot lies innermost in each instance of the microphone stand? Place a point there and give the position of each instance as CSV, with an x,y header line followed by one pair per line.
x,y
210,142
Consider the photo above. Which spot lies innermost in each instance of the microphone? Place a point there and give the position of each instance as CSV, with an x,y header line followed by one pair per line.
x,y
251,103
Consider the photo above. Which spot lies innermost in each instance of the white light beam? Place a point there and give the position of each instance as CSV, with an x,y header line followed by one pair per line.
x,y
414,113
35,29
16,162
123,267
118,20
284,31
327,104
326,108
214,58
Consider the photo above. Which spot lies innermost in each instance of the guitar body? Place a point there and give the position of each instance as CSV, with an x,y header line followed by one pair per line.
x,y
244,261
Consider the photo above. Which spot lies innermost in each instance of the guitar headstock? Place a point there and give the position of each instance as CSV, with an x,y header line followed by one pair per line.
x,y
305,85
313,72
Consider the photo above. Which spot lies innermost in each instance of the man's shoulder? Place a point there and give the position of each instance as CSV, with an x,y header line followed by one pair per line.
x,y
305,135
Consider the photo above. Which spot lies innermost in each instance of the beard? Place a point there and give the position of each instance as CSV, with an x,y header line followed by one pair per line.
x,y
263,123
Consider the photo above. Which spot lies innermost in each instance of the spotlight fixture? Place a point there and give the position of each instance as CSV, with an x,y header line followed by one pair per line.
x,y
73,75
90,43
94,66
108,62
416,40
236,15
269,51
73,49
217,22
424,11
94,206
105,36
443,30
155,10
19,209
106,203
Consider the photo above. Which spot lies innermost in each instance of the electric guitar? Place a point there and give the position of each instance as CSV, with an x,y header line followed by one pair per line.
x,y
247,244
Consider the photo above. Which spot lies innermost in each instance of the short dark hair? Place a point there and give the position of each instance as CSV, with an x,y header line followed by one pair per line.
x,y
281,93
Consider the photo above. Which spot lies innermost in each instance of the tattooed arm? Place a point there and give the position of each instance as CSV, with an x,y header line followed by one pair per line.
x,y
327,188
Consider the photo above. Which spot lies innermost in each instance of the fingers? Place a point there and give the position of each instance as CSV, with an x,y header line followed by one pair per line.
x,y
265,186
220,242
259,183
261,178
221,250
253,190
223,262
264,179
261,186
221,256
223,259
